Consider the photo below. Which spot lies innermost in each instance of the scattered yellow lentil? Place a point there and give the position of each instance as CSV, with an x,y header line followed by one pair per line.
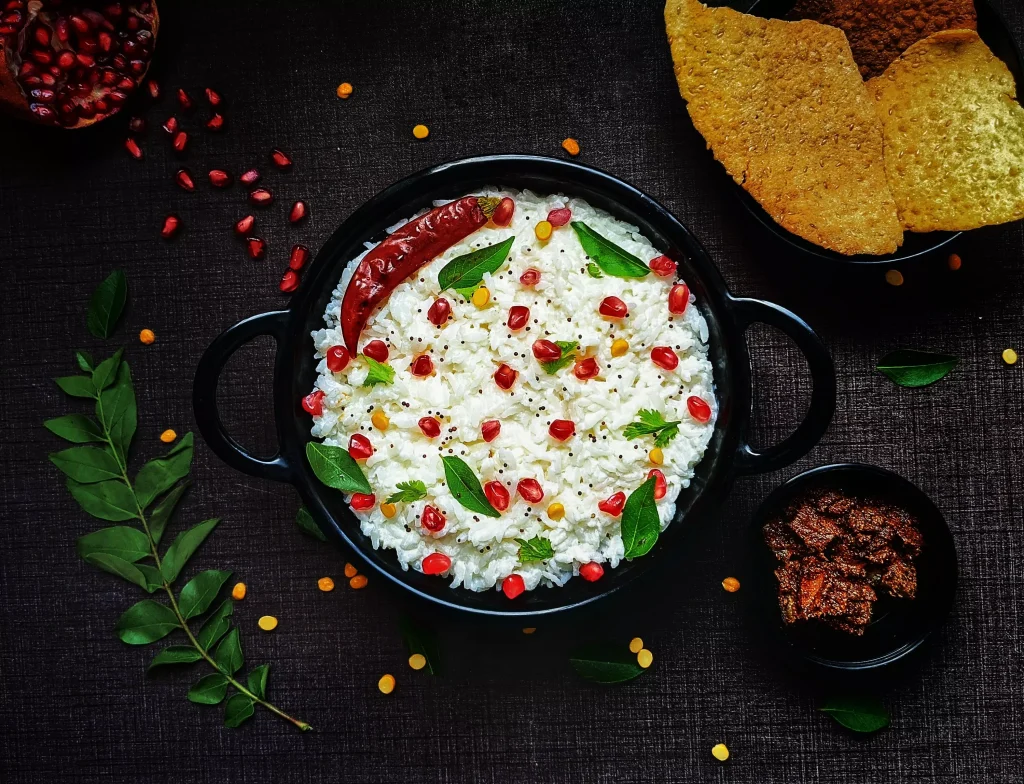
x,y
954,262
380,420
571,146
619,347
357,582
420,131
388,510
644,658
386,684
350,570
1010,356
417,661
720,752
636,645
657,456
529,630
325,584
731,584
894,278
481,296
268,623
147,336
168,435
543,230
238,592
556,511
344,90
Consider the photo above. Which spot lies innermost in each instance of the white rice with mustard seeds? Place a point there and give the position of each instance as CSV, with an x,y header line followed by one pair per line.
x,y
579,473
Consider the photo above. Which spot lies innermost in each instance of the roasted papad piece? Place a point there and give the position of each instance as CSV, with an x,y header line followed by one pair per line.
x,y
783,107
954,134
879,31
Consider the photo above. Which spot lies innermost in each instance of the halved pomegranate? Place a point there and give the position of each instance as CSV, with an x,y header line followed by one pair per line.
x,y
71,64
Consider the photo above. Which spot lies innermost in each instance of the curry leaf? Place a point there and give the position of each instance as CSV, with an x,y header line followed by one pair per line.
x,y
422,640
153,577
176,654
910,368
84,361
160,475
105,373
601,664
118,566
217,625
199,592
209,690
641,523
229,653
162,512
238,710
123,541
308,525
258,680
111,500
465,272
76,428
87,464
77,386
183,547
146,622
465,487
536,549
117,412
336,468
612,259
594,271
106,304
858,713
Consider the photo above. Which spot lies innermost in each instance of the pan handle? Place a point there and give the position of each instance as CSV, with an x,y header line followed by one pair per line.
x,y
204,397
823,396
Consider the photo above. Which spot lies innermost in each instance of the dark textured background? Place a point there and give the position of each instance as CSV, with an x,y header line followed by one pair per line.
x,y
486,77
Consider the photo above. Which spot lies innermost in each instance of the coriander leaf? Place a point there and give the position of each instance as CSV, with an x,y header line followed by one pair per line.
x,y
612,259
105,373
162,512
123,541
860,714
146,622
422,640
84,360
209,690
568,348
106,304
466,271
536,549
604,664
641,524
229,653
160,475
594,271
258,680
76,428
87,464
117,411
77,386
183,547
667,434
308,525
238,710
336,468
652,423
217,625
176,654
199,592
465,487
408,492
910,368
379,373
111,500
118,566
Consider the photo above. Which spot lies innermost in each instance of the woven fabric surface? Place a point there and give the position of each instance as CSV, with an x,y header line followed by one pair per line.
x,y
76,705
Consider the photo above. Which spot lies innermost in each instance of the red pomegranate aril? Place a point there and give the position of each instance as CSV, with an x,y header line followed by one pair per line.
x,y
436,563
337,358
505,377
490,429
560,217
184,179
678,298
154,89
359,447
313,403
66,60
430,427
664,357
362,501
213,97
80,25
562,429
171,126
280,159
699,409
660,485
613,504
85,60
298,212
137,125
502,215
215,123
138,67
422,366
43,95
117,97
244,226
256,247
663,266
546,351
44,112
105,41
299,257
512,586
45,58
432,519
530,277
530,490
249,178
518,316
171,225
184,100
376,349
592,572
261,197
43,35
133,148
439,312
50,81
219,178
61,29
498,495
613,307
586,369
180,141
289,282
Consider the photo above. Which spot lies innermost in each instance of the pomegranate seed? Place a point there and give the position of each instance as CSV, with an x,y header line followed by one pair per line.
x,y
213,97
105,41
138,67
498,495
84,60
613,504
154,89
280,159
60,27
289,282
43,111
376,349
42,95
244,226
137,125
586,369
430,427
261,197
184,179
362,501
256,247
298,212
546,351
660,485
133,148
439,312
359,447
560,217
664,357
422,366
699,409
180,140
215,123
505,376
436,563
663,267
249,178
518,315
592,572
66,60
613,307
80,25
530,490
219,178
43,35
171,126
299,257
562,429
512,586
337,358
530,277
432,519
678,298
490,429
503,212
171,225
313,403
184,101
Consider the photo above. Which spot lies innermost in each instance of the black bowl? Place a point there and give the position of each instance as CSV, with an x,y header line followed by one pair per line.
x,y
728,453
898,626
997,36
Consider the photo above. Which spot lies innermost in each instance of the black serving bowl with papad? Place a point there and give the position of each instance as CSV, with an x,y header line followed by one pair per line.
x,y
728,453
997,36
898,627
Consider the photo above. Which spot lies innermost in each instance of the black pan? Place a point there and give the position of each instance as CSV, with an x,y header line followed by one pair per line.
x,y
727,316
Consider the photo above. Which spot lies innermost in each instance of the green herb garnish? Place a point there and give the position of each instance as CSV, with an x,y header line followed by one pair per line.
x,y
533,550
106,305
308,525
465,272
466,487
652,423
408,492
594,271
860,713
612,259
568,348
640,521
379,372
910,368
605,664
422,640
336,468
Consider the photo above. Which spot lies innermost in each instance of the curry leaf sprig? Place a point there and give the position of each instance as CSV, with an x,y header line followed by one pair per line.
x,y
100,480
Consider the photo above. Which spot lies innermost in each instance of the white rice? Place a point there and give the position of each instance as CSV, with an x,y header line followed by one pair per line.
x,y
591,466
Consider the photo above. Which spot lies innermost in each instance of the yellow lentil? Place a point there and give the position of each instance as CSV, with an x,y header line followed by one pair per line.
x,y
238,592
386,684
481,296
420,131
731,584
417,661
147,336
529,630
657,456
350,570
636,645
325,584
619,347
1009,356
268,623
556,511
644,658
344,90
357,582
894,278
380,420
388,510
954,262
543,230
720,752
168,435
571,146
